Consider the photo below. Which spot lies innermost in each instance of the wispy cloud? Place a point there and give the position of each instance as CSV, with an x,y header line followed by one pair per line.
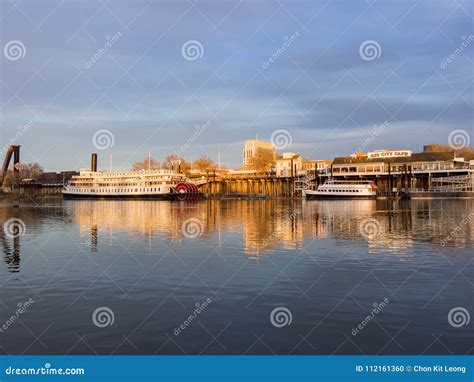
x,y
149,95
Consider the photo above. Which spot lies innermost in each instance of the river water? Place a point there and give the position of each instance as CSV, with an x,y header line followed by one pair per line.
x,y
238,277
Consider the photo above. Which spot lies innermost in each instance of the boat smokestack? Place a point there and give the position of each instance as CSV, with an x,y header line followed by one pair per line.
x,y
94,162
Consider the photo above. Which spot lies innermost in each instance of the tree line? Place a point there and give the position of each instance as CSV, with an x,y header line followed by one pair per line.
x,y
173,161
25,171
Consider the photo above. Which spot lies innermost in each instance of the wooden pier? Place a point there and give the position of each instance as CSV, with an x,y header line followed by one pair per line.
x,y
254,186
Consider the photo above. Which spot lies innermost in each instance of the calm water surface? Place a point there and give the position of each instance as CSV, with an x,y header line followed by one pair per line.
x,y
324,266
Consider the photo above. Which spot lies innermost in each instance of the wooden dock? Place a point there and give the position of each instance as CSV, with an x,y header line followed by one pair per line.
x,y
260,186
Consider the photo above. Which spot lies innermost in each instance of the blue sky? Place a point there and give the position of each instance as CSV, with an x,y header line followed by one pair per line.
x,y
319,88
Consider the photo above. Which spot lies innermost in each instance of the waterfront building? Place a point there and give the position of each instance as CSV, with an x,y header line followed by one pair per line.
x,y
403,169
284,162
382,161
255,147
316,166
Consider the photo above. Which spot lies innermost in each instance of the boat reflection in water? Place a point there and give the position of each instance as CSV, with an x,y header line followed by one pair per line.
x,y
150,262
265,226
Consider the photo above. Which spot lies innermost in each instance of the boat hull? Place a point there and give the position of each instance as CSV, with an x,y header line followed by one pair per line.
x,y
335,189
176,196
337,197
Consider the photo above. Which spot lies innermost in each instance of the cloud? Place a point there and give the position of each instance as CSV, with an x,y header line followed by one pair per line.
x,y
319,89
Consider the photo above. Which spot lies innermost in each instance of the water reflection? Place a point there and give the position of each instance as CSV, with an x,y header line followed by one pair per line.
x,y
35,219
11,251
265,227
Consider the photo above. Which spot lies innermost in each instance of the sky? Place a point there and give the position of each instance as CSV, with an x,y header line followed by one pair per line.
x,y
319,78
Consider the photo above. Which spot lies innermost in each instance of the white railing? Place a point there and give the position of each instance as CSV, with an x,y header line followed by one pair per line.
x,y
452,183
304,183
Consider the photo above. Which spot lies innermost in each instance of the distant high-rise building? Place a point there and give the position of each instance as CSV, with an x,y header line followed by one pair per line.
x,y
254,147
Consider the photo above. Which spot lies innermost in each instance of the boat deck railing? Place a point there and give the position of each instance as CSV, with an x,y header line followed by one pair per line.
x,y
348,182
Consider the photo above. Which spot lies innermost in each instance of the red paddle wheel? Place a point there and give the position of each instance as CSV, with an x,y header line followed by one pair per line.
x,y
186,190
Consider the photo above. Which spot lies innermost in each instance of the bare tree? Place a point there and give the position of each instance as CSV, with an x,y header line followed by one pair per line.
x,y
204,163
172,161
261,162
466,152
25,171
146,164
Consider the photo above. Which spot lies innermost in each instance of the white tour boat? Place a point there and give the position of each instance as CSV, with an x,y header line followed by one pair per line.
x,y
343,189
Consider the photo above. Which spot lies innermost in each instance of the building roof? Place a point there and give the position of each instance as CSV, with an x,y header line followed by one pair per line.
x,y
295,158
56,177
318,161
415,157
